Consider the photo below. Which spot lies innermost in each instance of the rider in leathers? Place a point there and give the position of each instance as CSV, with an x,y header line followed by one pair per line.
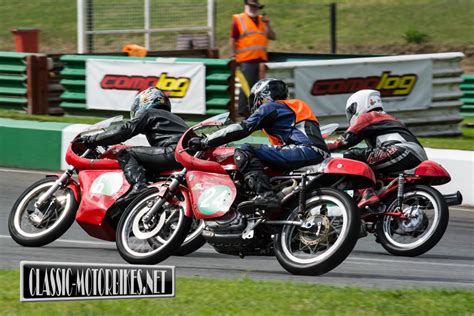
x,y
292,128
150,115
391,146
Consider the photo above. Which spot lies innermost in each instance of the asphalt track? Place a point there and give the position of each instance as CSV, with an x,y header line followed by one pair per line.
x,y
449,265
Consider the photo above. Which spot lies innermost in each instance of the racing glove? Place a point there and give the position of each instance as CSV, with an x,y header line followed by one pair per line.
x,y
88,141
197,143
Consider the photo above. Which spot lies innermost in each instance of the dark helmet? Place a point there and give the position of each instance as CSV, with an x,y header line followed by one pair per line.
x,y
150,98
267,90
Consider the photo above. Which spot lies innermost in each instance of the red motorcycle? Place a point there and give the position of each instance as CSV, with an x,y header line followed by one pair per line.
x,y
316,230
47,209
416,214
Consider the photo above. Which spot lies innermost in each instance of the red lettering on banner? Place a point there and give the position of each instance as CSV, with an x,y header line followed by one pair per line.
x,y
388,85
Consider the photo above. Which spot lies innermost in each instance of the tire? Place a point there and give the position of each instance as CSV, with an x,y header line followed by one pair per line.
x,y
434,231
160,249
337,251
50,233
193,241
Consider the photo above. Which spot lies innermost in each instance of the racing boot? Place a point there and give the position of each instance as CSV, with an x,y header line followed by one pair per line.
x,y
135,175
266,199
370,203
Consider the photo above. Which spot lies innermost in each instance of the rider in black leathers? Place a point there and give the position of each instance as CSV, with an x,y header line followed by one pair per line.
x,y
150,115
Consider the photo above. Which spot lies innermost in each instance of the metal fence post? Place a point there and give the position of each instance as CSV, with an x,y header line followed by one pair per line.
x,y
81,39
37,84
146,14
333,27
211,20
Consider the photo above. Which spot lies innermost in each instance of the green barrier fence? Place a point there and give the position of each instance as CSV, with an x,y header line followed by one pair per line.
x,y
13,88
467,88
219,94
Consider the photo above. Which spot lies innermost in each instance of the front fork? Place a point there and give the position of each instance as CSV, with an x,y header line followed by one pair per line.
x,y
37,216
169,191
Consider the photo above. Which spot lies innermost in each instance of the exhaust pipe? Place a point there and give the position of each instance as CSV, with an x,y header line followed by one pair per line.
x,y
453,199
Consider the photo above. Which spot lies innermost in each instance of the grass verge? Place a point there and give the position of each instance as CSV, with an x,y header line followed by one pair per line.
x,y
205,296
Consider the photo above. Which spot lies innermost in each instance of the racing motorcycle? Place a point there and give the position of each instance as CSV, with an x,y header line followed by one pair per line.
x,y
315,231
416,214
46,210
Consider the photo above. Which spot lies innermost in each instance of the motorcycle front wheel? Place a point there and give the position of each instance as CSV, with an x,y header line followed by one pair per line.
x,y
193,241
59,214
151,242
330,230
426,219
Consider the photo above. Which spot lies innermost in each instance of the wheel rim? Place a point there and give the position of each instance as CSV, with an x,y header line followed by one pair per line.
x,y
62,203
424,213
170,217
316,246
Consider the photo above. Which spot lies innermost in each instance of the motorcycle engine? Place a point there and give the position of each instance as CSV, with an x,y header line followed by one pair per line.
x,y
225,235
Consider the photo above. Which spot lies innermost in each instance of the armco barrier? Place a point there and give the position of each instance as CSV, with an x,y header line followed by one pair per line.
x,y
441,118
13,86
219,80
467,88
24,81
37,145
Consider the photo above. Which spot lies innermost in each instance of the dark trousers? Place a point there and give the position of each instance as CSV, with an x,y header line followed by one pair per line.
x,y
251,73
251,160
137,162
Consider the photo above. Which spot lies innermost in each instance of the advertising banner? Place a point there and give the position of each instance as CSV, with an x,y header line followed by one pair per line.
x,y
113,84
404,85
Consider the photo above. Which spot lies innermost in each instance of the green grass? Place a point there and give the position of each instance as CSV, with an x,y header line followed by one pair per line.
x,y
301,25
204,296
464,142
21,115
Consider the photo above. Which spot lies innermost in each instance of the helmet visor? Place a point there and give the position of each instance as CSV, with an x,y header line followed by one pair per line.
x,y
350,111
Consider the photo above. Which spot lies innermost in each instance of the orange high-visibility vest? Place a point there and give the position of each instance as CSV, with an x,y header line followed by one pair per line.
x,y
252,42
302,112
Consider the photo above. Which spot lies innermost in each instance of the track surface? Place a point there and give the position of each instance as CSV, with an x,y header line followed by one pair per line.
x,y
449,265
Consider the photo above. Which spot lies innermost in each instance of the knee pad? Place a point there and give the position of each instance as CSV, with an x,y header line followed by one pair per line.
x,y
241,159
123,156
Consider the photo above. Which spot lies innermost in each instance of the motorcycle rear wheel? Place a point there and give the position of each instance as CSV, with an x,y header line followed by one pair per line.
x,y
62,209
138,244
322,247
423,231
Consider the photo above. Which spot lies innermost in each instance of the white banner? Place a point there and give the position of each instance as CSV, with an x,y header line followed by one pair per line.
x,y
113,84
404,85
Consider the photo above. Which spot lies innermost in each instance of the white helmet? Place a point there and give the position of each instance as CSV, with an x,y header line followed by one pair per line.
x,y
361,102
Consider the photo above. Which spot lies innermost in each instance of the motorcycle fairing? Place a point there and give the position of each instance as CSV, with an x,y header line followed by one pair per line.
x,y
212,194
100,189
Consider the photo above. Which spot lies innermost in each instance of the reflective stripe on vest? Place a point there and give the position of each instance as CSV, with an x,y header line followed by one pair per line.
x,y
302,112
252,42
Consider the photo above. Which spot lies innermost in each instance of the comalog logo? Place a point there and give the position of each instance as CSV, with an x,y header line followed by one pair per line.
x,y
388,85
173,87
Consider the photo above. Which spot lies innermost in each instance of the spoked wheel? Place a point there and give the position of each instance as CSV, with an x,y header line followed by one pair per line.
x,y
150,242
58,215
327,236
426,217
194,239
